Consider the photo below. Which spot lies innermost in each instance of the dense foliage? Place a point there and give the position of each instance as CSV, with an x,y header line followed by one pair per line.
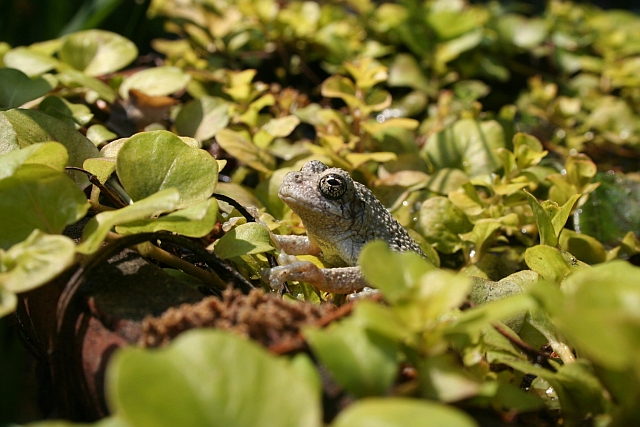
x,y
505,143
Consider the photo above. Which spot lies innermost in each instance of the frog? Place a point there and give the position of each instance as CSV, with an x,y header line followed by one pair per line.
x,y
340,216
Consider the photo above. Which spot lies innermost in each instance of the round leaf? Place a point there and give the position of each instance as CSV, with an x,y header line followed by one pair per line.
x,y
38,197
52,154
160,81
21,128
202,118
99,226
195,221
16,88
35,261
210,378
441,223
75,115
29,61
97,52
401,412
245,239
153,161
363,362
468,145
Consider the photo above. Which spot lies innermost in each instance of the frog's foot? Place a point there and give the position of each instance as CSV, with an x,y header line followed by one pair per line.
x,y
335,280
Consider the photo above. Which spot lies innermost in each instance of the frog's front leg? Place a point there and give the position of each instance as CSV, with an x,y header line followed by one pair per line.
x,y
296,245
342,280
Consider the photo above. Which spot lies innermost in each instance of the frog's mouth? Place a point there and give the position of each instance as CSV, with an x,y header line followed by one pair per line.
x,y
294,202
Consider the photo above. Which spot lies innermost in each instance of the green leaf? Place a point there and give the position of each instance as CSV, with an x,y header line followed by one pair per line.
x,y
29,61
362,361
468,145
202,118
523,32
396,283
38,197
442,223
281,126
16,88
341,87
75,115
153,161
443,378
159,81
583,247
244,150
366,72
211,378
100,167
97,52
405,71
195,221
559,219
381,320
601,216
35,261
481,234
357,159
52,154
578,389
99,226
546,229
485,291
600,313
548,262
452,49
99,134
21,128
76,79
245,239
401,412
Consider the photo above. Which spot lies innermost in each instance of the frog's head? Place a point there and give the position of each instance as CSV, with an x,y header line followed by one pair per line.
x,y
323,197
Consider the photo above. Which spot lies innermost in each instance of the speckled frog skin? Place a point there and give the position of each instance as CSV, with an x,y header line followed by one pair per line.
x,y
340,216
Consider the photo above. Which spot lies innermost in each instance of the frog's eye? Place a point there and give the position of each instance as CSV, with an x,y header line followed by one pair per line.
x,y
332,186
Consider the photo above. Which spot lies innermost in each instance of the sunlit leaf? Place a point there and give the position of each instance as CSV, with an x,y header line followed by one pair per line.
x,y
467,145
244,150
202,118
159,81
361,361
203,378
601,312
442,223
99,226
97,52
35,261
52,154
401,412
36,196
21,128
99,134
153,161
75,115
29,61
195,221
245,239
548,262
395,283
